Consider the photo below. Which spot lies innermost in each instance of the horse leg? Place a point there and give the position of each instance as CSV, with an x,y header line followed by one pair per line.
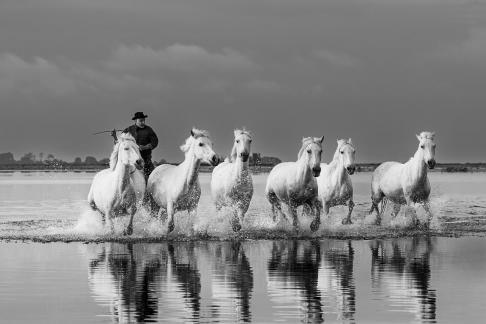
x,y
426,207
236,220
192,215
376,197
162,215
109,219
314,226
396,210
411,204
347,220
129,230
295,220
276,206
170,216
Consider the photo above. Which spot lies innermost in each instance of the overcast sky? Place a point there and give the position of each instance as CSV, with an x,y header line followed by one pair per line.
x,y
378,71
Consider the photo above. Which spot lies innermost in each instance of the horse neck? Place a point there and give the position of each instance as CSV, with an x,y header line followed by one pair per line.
x,y
122,174
191,167
241,168
337,167
417,166
303,169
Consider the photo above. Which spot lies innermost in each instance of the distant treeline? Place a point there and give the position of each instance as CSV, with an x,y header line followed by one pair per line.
x,y
258,163
30,161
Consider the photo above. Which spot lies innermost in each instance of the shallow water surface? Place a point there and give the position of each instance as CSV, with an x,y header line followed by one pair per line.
x,y
52,206
421,279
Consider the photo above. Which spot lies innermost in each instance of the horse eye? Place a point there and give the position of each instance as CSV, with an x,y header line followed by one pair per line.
x,y
250,141
309,151
237,141
201,144
422,146
342,152
126,148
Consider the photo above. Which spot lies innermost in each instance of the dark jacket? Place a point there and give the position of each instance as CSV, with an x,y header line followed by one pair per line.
x,y
144,136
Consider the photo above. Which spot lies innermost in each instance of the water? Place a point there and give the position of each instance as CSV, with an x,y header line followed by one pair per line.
x,y
52,207
376,274
404,280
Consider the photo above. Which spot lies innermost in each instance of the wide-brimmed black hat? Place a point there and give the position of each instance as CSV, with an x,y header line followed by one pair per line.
x,y
139,114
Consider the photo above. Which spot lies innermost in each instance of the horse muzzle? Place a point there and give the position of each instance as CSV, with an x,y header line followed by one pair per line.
x,y
244,156
214,160
316,172
139,164
431,164
351,169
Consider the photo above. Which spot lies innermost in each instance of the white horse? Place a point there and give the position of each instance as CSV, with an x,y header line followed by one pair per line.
x,y
176,188
231,182
294,183
334,183
405,183
121,188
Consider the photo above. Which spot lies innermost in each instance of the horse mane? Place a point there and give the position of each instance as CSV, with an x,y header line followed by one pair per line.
x,y
232,157
341,142
306,141
114,155
195,134
427,135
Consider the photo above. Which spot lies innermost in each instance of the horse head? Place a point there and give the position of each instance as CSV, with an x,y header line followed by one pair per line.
x,y
241,147
126,151
345,152
199,144
311,152
427,148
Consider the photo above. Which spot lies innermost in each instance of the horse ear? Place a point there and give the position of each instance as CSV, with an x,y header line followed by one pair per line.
x,y
192,132
322,139
350,141
432,134
237,132
418,137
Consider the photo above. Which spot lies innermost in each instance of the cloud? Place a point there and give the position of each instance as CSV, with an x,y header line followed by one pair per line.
x,y
37,76
263,86
177,57
472,50
335,58
133,69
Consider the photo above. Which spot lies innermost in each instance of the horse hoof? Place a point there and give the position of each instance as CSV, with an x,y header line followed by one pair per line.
x,y
314,226
170,228
236,227
347,221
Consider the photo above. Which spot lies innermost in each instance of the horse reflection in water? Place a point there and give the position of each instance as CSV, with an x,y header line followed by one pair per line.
x,y
230,281
130,278
400,269
150,282
293,271
336,278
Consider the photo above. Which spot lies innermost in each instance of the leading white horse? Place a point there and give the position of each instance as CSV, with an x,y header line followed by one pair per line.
x,y
231,182
121,188
294,183
176,188
334,183
405,183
